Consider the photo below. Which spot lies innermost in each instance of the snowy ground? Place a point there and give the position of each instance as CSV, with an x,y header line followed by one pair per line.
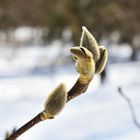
x,y
100,114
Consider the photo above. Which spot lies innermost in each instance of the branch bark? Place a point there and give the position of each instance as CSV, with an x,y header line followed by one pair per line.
x,y
25,127
77,90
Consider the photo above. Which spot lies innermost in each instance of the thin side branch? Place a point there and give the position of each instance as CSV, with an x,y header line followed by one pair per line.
x,y
130,105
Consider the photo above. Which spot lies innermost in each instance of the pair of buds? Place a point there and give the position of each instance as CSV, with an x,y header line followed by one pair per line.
x,y
90,59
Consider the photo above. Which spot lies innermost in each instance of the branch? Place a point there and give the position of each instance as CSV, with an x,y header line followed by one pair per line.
x,y
130,105
25,127
85,66
75,91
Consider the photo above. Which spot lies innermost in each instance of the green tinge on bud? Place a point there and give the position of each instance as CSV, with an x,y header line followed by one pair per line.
x,y
88,41
101,63
55,102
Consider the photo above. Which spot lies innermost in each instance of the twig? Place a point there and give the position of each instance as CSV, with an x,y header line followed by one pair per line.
x,y
75,91
130,105
8,133
25,127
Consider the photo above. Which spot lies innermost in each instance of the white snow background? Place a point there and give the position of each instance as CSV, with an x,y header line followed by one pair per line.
x,y
99,114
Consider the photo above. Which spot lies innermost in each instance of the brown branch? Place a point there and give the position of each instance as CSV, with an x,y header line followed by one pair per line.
x,y
75,91
8,133
130,105
25,127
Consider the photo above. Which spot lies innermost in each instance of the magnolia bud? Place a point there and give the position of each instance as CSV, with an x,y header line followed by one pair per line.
x,y
101,63
88,41
55,102
85,64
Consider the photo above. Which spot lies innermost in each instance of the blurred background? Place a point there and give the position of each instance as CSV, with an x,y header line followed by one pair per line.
x,y
35,37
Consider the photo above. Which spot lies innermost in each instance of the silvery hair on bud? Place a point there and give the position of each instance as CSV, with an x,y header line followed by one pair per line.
x,y
101,63
56,100
88,41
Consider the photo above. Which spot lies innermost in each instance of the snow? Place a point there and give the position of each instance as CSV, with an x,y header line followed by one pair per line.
x,y
23,33
99,114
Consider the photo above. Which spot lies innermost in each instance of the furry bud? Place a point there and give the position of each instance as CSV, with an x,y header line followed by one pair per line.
x,y
80,52
85,64
88,41
55,102
101,63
